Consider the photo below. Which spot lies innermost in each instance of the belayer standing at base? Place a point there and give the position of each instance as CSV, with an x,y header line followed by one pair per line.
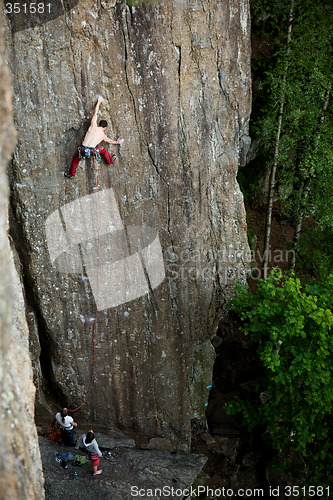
x,y
90,145
67,427
88,443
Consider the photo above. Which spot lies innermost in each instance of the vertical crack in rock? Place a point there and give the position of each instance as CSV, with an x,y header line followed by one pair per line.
x,y
169,218
179,55
155,166
48,347
126,35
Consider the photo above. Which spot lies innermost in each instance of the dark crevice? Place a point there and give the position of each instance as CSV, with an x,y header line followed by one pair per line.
x,y
126,57
156,168
169,219
236,368
48,349
222,84
179,52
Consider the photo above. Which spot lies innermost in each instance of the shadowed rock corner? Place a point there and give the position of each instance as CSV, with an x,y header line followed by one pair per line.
x,y
20,464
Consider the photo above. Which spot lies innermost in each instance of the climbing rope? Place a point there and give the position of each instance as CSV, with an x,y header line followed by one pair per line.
x,y
97,299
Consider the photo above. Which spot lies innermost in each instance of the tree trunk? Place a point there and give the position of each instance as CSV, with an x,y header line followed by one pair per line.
x,y
305,189
271,191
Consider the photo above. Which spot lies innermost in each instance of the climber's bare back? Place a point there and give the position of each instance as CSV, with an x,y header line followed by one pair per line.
x,y
94,136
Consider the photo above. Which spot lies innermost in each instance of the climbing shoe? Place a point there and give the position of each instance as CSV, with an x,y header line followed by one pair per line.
x,y
66,174
113,158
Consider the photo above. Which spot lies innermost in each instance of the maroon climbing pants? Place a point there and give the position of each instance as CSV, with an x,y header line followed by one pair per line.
x,y
78,157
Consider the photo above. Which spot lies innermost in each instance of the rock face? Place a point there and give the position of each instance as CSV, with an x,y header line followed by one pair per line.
x,y
20,463
176,79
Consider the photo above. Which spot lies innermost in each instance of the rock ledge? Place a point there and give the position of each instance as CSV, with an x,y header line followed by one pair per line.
x,y
132,470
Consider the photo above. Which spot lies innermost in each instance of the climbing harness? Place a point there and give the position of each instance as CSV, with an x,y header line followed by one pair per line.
x,y
86,152
97,295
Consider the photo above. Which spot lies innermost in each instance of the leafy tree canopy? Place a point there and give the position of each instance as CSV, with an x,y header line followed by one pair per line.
x,y
293,328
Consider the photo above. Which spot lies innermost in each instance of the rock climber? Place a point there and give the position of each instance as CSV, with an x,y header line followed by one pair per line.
x,y
67,427
90,145
89,443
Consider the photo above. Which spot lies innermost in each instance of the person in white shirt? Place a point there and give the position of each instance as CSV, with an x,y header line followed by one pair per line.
x,y
67,427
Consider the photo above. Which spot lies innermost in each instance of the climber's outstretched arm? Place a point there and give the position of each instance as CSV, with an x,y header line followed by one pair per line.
x,y
110,141
94,116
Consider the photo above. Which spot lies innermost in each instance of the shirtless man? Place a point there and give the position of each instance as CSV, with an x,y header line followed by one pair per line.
x,y
90,145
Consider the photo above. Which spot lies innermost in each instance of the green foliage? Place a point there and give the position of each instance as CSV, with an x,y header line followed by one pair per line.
x,y
305,149
292,326
316,251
